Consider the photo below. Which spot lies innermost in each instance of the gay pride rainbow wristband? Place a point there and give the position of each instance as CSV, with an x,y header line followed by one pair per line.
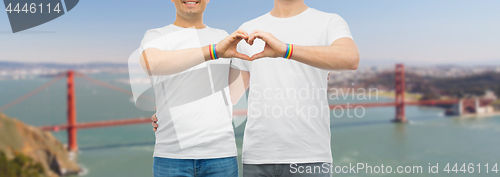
x,y
289,51
213,54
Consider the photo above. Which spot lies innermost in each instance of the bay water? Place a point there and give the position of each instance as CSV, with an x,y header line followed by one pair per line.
x,y
429,139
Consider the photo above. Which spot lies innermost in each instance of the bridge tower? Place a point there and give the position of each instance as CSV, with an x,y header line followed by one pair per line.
x,y
72,143
400,93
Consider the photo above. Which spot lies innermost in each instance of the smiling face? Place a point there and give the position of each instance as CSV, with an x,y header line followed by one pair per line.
x,y
190,8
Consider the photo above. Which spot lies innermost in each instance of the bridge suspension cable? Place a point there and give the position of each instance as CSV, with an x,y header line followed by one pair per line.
x,y
32,92
104,84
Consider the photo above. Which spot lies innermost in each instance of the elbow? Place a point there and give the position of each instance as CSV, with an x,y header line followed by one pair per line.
x,y
355,63
354,58
234,101
234,98
347,64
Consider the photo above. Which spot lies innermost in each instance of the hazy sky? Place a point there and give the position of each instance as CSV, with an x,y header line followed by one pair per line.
x,y
420,32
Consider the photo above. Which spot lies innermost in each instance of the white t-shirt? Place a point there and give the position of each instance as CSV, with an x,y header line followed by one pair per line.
x,y
193,107
288,115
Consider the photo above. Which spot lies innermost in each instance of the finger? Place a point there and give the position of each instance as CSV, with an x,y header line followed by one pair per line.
x,y
155,129
242,32
260,36
257,56
242,56
241,36
154,118
255,31
251,37
154,125
236,38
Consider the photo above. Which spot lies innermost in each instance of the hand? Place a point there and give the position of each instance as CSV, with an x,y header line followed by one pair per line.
x,y
227,47
274,48
154,119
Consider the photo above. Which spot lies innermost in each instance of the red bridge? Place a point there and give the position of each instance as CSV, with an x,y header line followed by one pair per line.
x,y
72,124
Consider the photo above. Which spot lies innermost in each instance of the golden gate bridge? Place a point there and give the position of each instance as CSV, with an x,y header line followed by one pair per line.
x,y
72,125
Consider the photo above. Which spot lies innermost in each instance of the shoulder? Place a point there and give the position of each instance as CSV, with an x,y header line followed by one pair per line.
x,y
216,34
253,22
220,32
153,32
156,33
161,31
327,15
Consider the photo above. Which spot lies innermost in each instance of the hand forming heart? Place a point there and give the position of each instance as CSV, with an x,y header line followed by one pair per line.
x,y
227,47
273,48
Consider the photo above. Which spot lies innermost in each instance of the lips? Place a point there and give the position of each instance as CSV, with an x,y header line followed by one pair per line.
x,y
188,2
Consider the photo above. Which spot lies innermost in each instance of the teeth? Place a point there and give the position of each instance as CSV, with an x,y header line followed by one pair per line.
x,y
190,2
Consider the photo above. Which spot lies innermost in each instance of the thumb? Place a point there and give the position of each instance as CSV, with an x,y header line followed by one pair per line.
x,y
242,56
257,56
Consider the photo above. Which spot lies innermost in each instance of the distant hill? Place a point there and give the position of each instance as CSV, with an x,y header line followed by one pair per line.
x,y
473,85
431,87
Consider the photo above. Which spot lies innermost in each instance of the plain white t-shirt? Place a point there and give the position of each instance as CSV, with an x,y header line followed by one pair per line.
x,y
193,107
288,114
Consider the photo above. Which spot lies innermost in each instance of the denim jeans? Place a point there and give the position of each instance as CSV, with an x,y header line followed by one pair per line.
x,y
220,167
287,170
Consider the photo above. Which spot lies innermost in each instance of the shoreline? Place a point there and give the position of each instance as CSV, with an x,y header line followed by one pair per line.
x,y
470,116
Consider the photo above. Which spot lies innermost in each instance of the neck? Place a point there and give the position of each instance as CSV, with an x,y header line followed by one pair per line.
x,y
189,22
288,8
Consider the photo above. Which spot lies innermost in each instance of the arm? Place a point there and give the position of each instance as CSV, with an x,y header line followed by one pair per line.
x,y
238,84
162,62
341,54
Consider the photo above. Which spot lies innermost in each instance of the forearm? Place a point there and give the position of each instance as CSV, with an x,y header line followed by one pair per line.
x,y
334,57
162,62
238,84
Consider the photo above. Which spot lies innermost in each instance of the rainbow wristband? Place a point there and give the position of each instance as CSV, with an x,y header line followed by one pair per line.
x,y
289,51
213,53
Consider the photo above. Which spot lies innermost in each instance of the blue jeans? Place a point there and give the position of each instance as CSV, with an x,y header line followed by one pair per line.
x,y
221,167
